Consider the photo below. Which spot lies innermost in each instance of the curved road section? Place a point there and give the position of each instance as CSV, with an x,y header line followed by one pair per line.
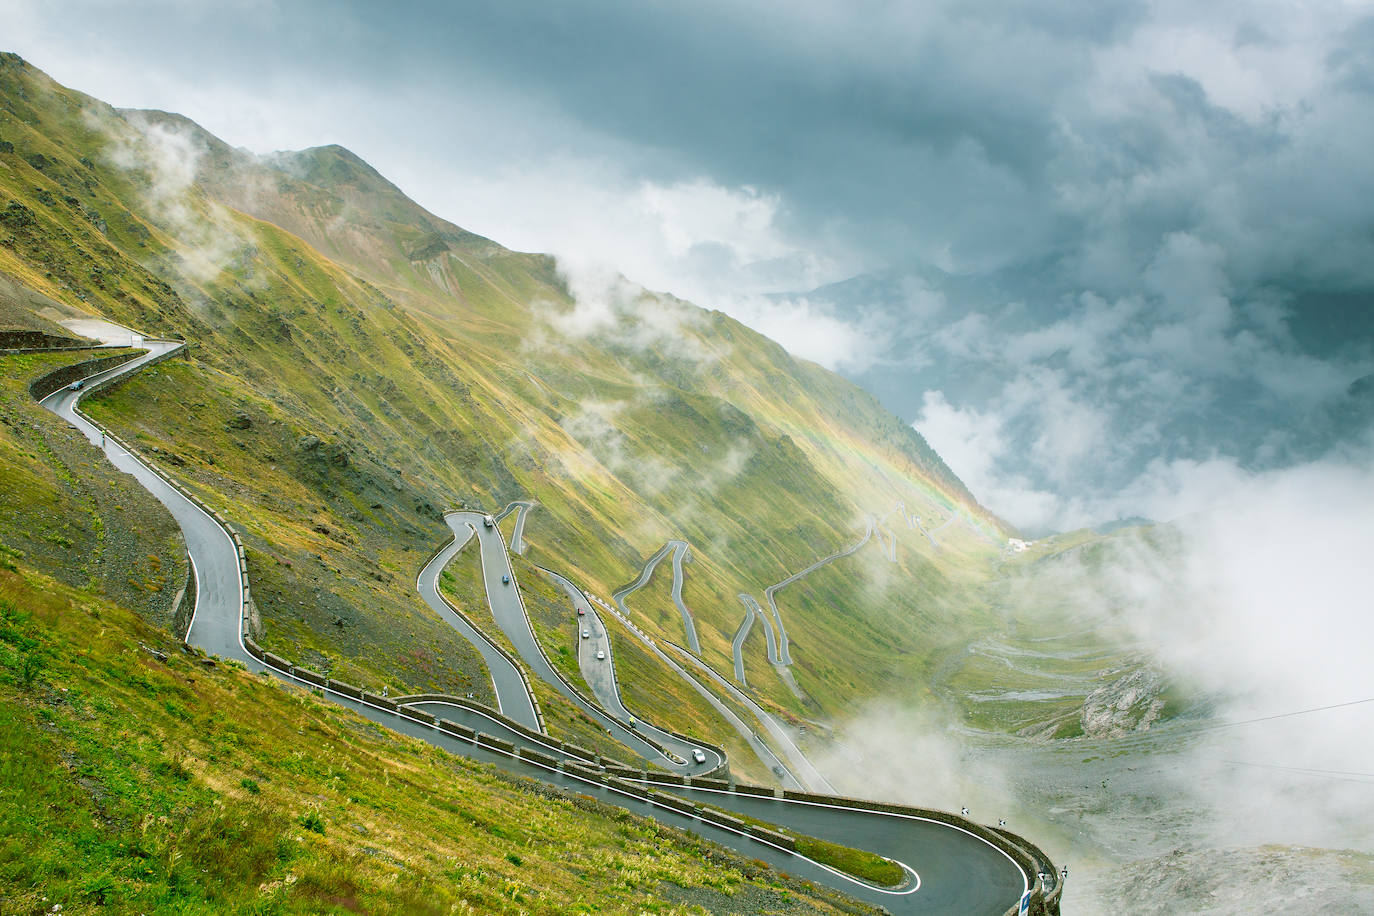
x,y
521,508
512,697
600,676
216,619
783,653
679,549
958,872
508,610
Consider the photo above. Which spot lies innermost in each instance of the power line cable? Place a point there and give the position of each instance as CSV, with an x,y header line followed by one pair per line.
x,y
1286,715
1342,775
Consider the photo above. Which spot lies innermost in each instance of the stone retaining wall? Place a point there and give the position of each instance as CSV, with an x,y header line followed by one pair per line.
x,y
536,757
497,743
383,702
347,690
30,341
458,730
46,384
667,779
772,836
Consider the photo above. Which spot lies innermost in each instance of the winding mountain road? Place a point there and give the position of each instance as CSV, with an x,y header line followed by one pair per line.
x,y
512,696
742,634
765,754
679,549
951,870
521,508
612,713
215,621
784,653
810,777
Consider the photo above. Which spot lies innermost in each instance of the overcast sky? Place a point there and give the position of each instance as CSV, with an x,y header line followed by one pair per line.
x,y
1110,252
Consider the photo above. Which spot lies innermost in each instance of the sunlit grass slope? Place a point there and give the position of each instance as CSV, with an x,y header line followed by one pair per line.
x,y
136,783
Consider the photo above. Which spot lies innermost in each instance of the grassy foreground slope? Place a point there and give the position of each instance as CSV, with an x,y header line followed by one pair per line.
x,y
361,364
132,782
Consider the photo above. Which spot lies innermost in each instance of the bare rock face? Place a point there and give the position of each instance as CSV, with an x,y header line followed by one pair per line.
x,y
1128,704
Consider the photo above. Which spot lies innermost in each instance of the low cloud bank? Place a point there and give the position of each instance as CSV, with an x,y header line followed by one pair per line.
x,y
1256,607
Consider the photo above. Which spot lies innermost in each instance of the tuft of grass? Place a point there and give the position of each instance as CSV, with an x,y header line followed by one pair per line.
x,y
866,866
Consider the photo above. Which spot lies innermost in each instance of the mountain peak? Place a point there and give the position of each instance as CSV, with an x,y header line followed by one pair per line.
x,y
332,167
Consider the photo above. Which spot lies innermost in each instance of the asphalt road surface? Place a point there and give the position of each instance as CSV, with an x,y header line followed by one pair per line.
x,y
512,696
521,508
783,653
741,634
600,677
508,610
216,619
679,549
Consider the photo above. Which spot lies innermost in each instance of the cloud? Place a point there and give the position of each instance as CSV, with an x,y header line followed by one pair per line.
x,y
167,157
810,331
1252,605
594,428
873,755
1259,604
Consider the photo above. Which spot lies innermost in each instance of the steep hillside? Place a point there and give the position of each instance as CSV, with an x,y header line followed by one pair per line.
x,y
360,364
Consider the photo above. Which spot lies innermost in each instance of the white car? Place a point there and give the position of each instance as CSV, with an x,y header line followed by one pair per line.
x,y
698,756
601,655
586,634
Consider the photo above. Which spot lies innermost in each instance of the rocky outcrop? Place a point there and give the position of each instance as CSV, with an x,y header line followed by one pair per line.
x,y
1128,704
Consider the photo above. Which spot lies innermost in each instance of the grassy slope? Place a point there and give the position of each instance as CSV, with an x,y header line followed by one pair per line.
x,y
64,507
135,784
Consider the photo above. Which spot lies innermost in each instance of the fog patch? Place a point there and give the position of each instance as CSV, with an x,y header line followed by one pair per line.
x,y
1252,607
609,309
167,159
914,756
594,428
809,330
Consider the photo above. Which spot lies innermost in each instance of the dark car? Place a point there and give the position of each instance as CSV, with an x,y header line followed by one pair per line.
x,y
505,580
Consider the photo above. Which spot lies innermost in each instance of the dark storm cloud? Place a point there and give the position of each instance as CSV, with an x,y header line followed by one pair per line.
x,y
982,134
